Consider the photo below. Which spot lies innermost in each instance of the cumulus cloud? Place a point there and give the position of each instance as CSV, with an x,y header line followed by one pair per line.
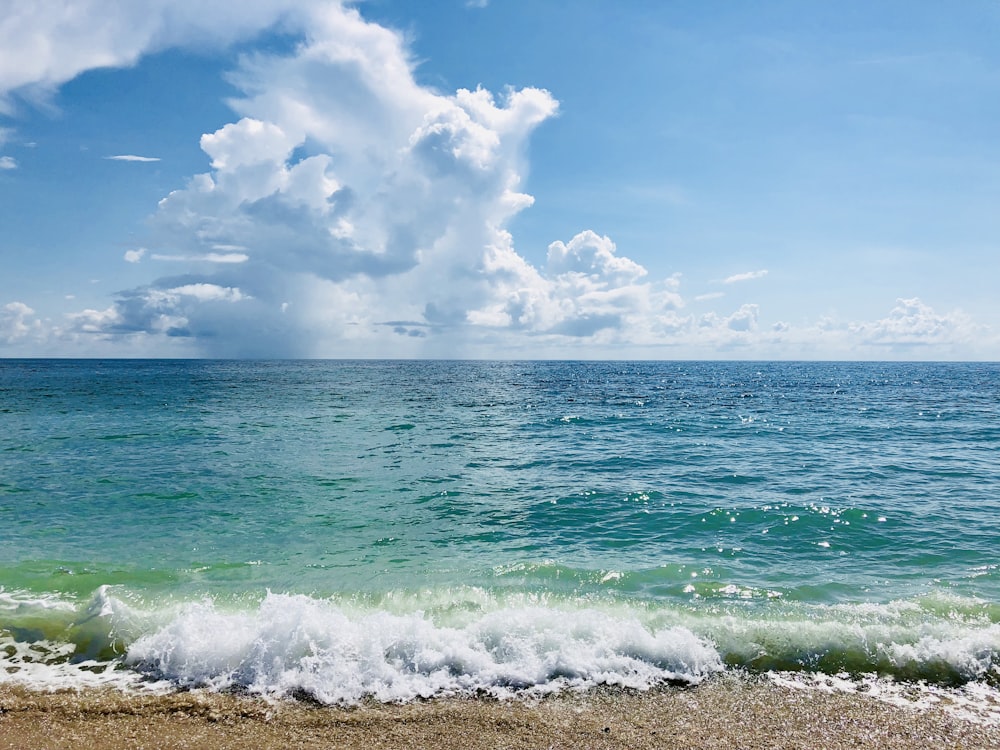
x,y
913,323
593,257
134,256
744,319
380,206
741,322
164,312
95,321
17,322
368,198
911,330
585,289
132,157
748,276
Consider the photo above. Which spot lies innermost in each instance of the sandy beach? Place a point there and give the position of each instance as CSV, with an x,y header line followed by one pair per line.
x,y
729,713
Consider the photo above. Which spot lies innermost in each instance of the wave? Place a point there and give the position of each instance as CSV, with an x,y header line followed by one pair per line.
x,y
403,646
294,644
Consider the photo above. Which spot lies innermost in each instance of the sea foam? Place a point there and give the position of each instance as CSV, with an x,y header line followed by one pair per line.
x,y
295,644
408,645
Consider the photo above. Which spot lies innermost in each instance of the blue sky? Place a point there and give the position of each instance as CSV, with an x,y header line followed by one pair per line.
x,y
758,180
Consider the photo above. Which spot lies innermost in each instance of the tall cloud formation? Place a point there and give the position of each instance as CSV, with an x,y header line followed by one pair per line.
x,y
367,206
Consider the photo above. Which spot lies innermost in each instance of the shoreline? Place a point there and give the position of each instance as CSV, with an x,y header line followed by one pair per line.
x,y
730,712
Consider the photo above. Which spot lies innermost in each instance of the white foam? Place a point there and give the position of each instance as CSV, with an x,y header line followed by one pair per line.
x,y
294,644
969,652
19,602
903,637
49,665
51,643
408,644
975,702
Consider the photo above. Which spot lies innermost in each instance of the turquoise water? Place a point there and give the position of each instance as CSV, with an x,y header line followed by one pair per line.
x,y
402,529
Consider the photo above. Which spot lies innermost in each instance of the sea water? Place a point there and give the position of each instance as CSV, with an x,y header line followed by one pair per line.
x,y
346,530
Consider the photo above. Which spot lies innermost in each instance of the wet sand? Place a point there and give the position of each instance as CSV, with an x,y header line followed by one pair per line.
x,y
727,714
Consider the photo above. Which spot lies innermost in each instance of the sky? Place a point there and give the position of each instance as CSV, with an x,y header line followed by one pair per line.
x,y
585,179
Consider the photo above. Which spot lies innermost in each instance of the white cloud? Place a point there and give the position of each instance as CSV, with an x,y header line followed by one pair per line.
x,y
744,319
132,157
748,276
45,43
911,330
95,321
396,212
246,143
184,311
913,323
585,290
345,185
342,173
225,257
741,321
591,256
348,210
206,258
206,292
17,322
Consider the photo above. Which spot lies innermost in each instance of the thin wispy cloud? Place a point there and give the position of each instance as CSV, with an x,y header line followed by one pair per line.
x,y
132,157
134,256
748,276
205,258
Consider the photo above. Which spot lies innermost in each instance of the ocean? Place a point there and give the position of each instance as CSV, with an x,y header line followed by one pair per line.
x,y
341,531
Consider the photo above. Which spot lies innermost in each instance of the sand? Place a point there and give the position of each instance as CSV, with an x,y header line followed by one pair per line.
x,y
729,713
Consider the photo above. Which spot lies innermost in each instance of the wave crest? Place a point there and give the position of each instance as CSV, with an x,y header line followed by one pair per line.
x,y
295,644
